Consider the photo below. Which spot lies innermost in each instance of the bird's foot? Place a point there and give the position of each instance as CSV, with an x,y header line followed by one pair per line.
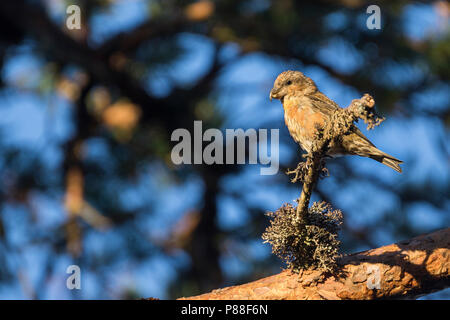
x,y
323,173
299,172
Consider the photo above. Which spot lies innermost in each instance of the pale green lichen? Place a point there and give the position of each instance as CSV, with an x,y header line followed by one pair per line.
x,y
312,244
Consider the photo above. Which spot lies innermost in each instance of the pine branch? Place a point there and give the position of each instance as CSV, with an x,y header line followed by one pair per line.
x,y
408,269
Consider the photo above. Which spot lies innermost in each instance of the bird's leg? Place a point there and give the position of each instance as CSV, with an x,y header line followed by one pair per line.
x,y
323,171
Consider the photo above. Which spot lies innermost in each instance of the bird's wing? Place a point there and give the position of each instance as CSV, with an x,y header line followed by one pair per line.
x,y
321,103
356,130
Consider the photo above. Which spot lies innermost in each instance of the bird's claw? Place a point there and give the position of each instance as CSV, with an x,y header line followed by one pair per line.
x,y
299,172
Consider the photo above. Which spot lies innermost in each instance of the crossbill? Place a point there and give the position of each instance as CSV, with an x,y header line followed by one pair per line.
x,y
307,110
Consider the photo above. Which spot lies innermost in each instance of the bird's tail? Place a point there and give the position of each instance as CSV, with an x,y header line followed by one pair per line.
x,y
387,160
358,144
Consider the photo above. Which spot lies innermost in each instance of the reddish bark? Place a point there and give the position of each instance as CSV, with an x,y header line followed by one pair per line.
x,y
407,269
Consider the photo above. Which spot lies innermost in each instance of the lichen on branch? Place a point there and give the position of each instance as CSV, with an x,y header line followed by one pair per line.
x,y
314,244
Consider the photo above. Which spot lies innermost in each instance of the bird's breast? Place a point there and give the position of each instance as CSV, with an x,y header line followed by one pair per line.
x,y
302,121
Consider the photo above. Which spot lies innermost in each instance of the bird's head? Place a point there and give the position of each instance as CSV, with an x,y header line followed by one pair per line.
x,y
291,83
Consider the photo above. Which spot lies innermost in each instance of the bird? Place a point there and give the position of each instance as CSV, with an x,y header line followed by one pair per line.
x,y
306,110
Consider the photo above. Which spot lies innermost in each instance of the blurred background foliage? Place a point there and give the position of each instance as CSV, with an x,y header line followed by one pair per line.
x,y
87,115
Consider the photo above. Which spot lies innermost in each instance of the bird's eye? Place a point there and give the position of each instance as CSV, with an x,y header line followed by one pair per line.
x,y
289,82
